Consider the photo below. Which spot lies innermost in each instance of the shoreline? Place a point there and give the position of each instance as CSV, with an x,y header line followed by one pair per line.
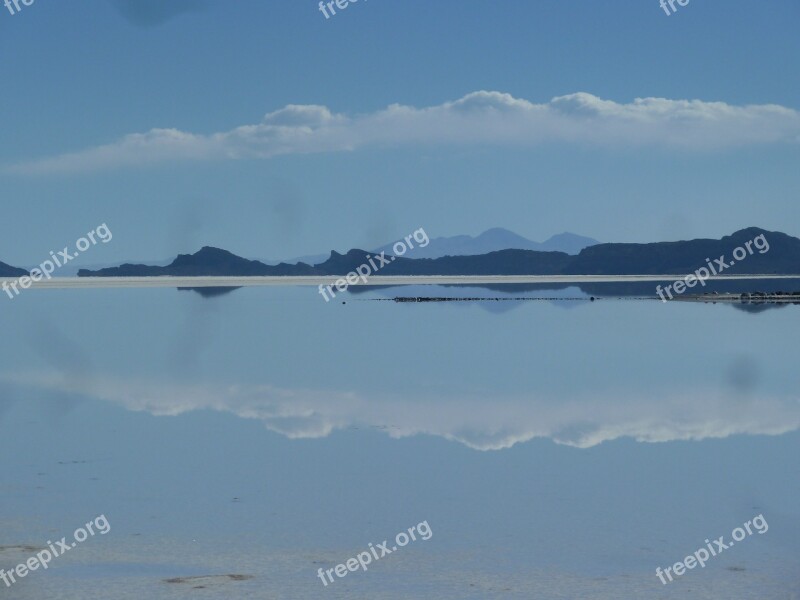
x,y
377,280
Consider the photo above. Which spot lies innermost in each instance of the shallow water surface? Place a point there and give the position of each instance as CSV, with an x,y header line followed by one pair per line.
x,y
239,443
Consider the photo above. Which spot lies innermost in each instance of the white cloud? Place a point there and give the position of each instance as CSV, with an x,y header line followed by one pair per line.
x,y
480,423
478,118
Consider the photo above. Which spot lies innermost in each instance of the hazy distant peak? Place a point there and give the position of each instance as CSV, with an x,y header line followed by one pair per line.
x,y
503,236
494,239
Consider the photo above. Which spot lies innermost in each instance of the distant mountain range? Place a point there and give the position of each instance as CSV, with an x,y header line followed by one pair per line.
x,y
679,258
493,240
490,240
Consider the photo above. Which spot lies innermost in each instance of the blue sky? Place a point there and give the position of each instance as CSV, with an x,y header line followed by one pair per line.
x,y
79,77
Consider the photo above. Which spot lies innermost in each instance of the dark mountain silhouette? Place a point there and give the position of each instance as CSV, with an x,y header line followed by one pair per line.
x,y
502,262
678,258
9,271
490,240
208,262
685,257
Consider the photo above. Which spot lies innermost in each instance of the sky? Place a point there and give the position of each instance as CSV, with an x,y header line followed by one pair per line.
x,y
272,131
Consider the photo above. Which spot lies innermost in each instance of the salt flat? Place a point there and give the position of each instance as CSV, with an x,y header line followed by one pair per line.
x,y
378,280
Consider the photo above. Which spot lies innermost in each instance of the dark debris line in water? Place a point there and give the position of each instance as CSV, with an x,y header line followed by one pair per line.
x,y
494,299
209,578
21,548
745,298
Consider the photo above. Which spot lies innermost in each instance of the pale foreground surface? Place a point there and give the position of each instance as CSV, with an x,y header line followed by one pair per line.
x,y
556,450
